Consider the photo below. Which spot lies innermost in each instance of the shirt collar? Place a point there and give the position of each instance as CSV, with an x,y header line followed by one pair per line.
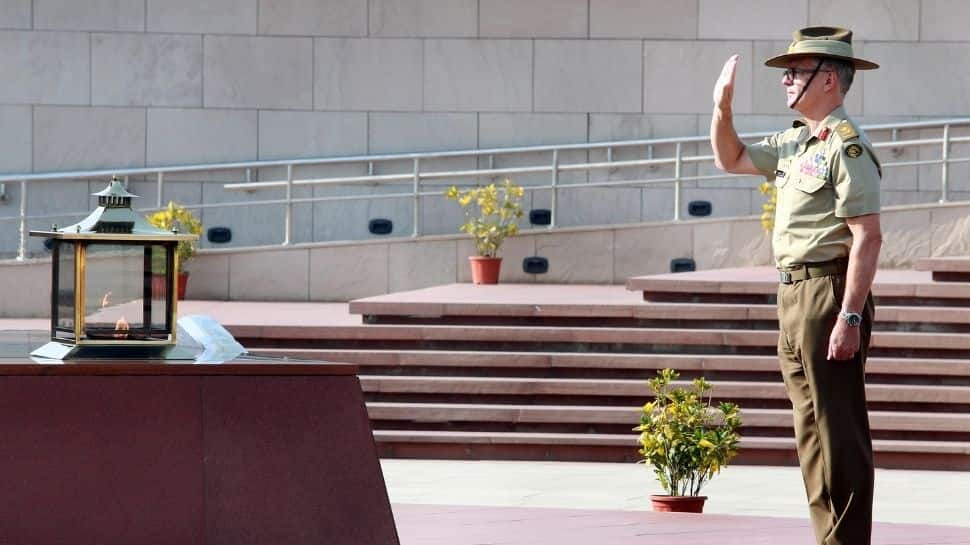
x,y
835,117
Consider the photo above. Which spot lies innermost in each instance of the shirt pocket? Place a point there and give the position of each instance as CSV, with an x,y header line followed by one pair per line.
x,y
808,184
810,199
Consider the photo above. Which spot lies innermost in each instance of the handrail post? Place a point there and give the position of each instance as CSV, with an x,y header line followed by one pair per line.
x,y
417,197
945,166
22,248
288,216
161,181
896,151
555,189
677,181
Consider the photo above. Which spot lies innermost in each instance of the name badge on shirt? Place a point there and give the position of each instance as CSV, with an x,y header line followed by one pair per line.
x,y
816,166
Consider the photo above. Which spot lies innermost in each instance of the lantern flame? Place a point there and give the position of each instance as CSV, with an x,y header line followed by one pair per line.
x,y
121,328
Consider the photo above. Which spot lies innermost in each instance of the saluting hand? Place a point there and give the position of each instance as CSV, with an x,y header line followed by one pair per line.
x,y
844,341
724,88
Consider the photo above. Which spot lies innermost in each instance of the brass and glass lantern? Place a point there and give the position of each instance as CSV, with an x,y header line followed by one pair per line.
x,y
113,284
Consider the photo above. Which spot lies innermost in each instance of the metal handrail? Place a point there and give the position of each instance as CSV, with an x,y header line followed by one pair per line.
x,y
416,178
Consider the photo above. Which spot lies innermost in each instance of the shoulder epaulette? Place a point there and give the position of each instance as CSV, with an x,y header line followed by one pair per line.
x,y
797,123
846,131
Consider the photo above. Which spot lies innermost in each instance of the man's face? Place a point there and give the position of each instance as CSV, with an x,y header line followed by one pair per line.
x,y
795,79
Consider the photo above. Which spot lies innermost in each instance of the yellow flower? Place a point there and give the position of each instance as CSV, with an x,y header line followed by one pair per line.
x,y
498,210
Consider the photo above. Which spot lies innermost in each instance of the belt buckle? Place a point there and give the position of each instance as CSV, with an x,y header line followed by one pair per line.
x,y
785,277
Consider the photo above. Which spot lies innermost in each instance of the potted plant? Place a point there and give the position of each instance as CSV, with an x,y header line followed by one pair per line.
x,y
491,213
770,192
176,217
686,440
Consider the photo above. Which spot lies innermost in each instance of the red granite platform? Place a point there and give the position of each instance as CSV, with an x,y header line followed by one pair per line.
x,y
166,452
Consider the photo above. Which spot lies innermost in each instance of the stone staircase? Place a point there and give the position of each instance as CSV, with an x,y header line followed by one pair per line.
x,y
559,371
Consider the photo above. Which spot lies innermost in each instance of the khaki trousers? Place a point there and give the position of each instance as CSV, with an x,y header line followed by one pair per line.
x,y
829,404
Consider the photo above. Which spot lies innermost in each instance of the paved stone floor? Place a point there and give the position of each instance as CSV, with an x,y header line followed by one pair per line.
x,y
564,503
904,496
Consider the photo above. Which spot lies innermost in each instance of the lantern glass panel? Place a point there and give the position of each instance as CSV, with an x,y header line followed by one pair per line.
x,y
64,298
157,258
123,301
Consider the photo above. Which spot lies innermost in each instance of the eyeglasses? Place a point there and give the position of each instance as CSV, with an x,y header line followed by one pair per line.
x,y
792,73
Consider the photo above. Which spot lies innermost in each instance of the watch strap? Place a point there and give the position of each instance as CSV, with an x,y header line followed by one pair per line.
x,y
854,319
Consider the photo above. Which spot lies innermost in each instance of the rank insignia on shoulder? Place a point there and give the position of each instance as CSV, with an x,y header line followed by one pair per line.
x,y
779,173
846,131
853,150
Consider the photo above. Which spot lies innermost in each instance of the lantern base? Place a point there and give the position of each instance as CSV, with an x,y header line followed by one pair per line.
x,y
62,351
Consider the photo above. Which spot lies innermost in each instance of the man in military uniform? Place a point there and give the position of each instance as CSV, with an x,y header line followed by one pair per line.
x,y
826,244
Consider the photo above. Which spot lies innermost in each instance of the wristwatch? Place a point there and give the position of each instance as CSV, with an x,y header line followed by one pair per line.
x,y
851,318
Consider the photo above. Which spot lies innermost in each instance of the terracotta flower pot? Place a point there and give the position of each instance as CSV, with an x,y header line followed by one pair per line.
x,y
158,284
677,504
182,283
485,269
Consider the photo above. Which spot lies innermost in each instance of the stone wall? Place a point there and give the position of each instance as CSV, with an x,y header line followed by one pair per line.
x,y
130,83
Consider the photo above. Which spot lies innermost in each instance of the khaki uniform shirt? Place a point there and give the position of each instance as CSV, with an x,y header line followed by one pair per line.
x,y
821,179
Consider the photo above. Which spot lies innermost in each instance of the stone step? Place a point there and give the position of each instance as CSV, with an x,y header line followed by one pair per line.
x,y
487,360
946,269
889,453
688,315
506,334
609,305
781,443
760,284
266,336
552,414
638,389
538,300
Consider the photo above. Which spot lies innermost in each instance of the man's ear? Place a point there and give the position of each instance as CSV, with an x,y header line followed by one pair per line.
x,y
832,81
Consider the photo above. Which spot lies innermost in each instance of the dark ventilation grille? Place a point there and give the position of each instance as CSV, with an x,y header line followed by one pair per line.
x,y
535,265
380,226
540,216
700,208
219,235
682,264
114,227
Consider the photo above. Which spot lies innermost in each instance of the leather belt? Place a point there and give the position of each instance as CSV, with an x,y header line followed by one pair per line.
x,y
797,273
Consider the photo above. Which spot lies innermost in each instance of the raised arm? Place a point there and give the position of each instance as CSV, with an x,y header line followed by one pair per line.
x,y
729,152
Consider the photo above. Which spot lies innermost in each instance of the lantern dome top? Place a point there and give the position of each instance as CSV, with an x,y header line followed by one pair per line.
x,y
114,219
115,194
